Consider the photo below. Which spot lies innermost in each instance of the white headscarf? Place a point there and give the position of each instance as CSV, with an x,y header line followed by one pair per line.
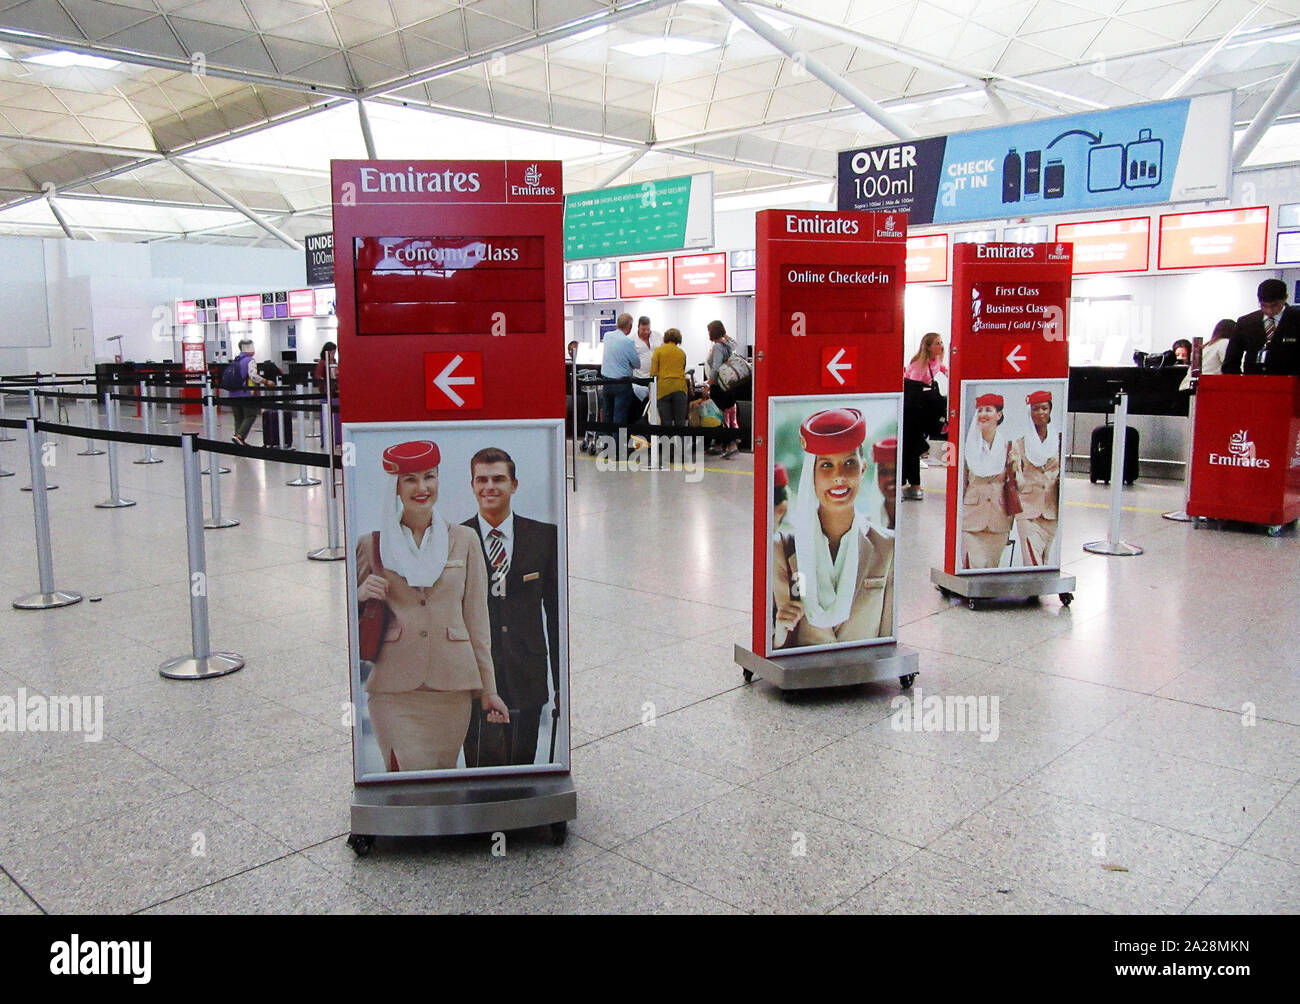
x,y
985,462
419,566
1039,451
828,586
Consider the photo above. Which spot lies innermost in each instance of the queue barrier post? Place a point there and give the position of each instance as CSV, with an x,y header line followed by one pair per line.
x,y
202,662
48,598
34,412
169,416
92,422
114,500
1112,545
210,428
4,433
215,520
333,550
146,416
1182,515
303,480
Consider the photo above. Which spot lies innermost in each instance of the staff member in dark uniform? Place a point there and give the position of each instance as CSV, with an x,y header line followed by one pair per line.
x,y
1267,340
523,609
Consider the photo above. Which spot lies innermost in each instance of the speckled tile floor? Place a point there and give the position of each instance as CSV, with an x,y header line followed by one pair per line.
x,y
1147,757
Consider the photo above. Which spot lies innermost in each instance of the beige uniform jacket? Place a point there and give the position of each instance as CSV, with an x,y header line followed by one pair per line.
x,y
983,504
872,612
1040,487
438,637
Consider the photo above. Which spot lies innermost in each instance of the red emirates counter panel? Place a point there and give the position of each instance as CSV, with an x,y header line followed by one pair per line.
x,y
1246,449
442,271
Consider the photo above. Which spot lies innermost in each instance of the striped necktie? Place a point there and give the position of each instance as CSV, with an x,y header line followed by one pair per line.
x,y
497,556
1270,326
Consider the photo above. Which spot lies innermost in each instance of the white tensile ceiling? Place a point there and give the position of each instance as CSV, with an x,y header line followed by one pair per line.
x,y
193,112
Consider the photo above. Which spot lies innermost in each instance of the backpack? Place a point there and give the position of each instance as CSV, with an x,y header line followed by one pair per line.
x,y
232,377
734,372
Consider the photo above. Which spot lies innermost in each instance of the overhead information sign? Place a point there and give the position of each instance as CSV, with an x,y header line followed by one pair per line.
x,y
669,215
1170,151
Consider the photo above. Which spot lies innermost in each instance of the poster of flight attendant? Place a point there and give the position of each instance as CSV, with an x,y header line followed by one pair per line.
x,y
1011,461
458,610
832,559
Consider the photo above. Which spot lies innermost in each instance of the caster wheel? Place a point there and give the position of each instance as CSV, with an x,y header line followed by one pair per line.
x,y
1067,599
558,832
361,844
945,592
1275,531
973,603
907,680
748,674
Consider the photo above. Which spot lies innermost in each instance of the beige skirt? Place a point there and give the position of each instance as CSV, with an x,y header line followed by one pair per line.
x,y
421,729
984,547
1036,536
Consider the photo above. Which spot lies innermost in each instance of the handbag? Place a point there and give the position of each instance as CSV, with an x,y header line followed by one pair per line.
x,y
372,623
733,371
1010,493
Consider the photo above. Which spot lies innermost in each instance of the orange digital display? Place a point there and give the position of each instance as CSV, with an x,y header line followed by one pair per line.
x,y
642,277
927,258
227,308
1214,237
699,273
1108,245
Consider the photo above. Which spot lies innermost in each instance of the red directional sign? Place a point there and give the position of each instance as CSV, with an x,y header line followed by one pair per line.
x,y
839,366
1016,358
453,380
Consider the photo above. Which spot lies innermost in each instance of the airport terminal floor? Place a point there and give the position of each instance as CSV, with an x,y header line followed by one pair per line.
x,y
1146,758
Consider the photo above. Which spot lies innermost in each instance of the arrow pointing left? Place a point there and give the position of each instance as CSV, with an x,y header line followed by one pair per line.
x,y
444,381
1014,358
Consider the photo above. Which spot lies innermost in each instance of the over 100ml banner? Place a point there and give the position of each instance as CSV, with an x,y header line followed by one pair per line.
x,y
1170,151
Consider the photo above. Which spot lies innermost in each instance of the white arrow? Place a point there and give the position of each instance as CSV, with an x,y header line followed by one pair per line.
x,y
1016,360
835,366
444,380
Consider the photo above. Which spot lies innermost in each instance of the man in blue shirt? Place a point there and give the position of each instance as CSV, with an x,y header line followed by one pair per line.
x,y
618,363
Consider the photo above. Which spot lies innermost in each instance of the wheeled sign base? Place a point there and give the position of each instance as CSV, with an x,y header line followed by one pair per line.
x,y
468,805
833,668
1003,586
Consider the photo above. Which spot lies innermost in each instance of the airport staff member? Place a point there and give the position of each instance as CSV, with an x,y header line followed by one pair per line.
x,y
1267,340
1036,460
523,607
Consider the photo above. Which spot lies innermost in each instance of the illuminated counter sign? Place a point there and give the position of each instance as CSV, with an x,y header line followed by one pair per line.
x,y
927,258
1108,245
250,307
643,277
186,313
1214,238
302,302
700,273
227,308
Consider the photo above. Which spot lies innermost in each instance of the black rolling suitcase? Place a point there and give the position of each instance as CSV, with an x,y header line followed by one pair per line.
x,y
1099,454
277,429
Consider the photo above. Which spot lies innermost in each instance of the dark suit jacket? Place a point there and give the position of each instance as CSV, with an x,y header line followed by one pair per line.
x,y
1284,354
520,649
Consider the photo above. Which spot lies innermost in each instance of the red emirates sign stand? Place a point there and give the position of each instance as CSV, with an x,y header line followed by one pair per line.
x,y
448,278
827,415
1246,450
1006,416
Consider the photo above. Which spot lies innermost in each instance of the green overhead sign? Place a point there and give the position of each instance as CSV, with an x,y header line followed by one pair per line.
x,y
669,215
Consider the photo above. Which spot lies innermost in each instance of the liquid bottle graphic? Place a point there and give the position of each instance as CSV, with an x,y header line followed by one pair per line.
x,y
1054,179
1011,176
1033,173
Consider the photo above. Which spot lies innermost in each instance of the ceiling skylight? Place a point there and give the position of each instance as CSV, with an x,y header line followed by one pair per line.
x,y
665,47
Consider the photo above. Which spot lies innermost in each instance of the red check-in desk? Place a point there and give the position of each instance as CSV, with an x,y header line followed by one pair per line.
x,y
1246,455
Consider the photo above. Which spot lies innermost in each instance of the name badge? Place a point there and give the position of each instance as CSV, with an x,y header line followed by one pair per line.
x,y
455,563
532,575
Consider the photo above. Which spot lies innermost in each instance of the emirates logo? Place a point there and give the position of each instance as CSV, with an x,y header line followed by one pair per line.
x,y
1241,453
1239,444
532,176
1060,249
889,223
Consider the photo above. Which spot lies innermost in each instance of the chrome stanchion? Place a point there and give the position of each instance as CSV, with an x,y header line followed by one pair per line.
x,y
48,597
202,662
4,433
303,479
114,500
169,416
1182,515
91,449
146,416
332,551
210,429
1112,545
215,520
34,412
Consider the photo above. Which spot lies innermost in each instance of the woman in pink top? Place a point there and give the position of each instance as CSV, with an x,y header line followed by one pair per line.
x,y
922,409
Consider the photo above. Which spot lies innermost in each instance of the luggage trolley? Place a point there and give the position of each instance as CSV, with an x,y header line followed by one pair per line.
x,y
589,384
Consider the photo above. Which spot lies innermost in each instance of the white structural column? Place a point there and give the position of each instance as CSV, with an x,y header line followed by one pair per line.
x,y
818,69
1267,113
234,203
623,166
367,136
